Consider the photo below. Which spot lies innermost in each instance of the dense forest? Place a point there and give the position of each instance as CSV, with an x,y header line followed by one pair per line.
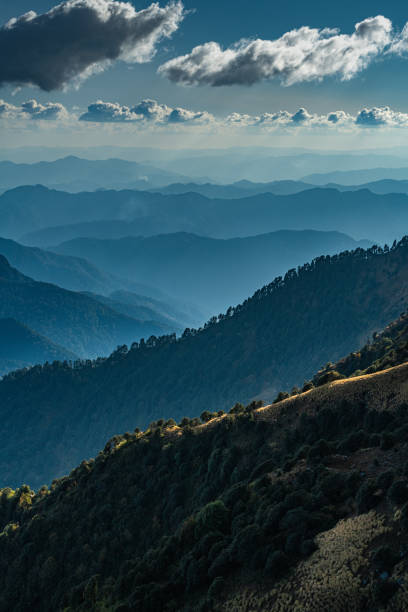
x,y
277,339
227,511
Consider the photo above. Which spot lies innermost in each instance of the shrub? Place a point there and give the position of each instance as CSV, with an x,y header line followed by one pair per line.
x,y
281,396
213,517
398,492
366,496
216,588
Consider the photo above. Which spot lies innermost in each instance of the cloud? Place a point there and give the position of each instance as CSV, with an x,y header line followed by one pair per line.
x,y
79,37
150,113
146,111
384,116
284,119
304,54
51,111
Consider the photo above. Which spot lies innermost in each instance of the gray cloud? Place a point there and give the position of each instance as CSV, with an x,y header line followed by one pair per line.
x,y
304,54
146,111
79,37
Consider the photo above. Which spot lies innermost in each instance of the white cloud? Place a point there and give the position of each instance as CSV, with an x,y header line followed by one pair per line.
x,y
51,111
79,37
145,112
304,54
384,116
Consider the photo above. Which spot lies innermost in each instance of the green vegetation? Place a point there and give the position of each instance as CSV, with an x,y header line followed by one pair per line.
x,y
63,413
183,517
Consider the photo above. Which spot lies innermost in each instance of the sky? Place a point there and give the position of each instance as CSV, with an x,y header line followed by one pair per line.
x,y
219,73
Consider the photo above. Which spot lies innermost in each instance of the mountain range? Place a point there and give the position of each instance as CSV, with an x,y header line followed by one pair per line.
x,y
243,189
357,177
275,340
21,347
72,320
75,174
232,512
214,273
360,214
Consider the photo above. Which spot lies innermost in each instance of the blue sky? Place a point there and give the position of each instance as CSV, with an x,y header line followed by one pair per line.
x,y
382,83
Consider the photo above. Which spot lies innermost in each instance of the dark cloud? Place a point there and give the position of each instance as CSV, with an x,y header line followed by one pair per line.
x,y
79,37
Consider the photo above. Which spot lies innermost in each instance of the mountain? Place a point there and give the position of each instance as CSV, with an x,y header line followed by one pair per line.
x,y
214,273
360,214
21,347
299,505
275,340
357,177
240,189
75,174
73,273
77,274
261,164
142,308
381,187
77,322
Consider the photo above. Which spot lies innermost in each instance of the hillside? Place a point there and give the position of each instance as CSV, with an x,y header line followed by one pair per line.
x,y
213,273
229,515
275,340
21,347
360,214
72,320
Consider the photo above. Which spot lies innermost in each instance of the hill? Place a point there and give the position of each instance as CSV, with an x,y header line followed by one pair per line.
x,y
360,214
21,347
75,174
301,505
72,320
275,340
213,273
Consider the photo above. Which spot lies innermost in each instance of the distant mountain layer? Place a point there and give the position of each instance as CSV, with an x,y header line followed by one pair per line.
x,y
357,177
381,187
240,189
75,321
78,274
214,273
140,308
76,174
361,214
275,340
21,347
72,273
243,189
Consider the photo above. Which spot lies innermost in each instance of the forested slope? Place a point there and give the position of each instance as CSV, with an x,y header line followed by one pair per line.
x,y
232,514
275,340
